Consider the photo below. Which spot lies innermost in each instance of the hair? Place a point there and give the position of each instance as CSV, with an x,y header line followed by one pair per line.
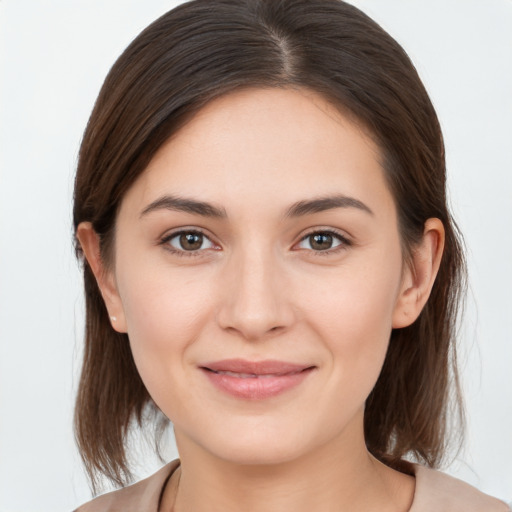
x,y
205,49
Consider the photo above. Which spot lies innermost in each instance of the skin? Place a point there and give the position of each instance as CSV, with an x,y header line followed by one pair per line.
x,y
258,288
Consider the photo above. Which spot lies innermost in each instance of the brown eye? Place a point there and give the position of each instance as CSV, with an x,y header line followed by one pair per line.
x,y
189,241
323,241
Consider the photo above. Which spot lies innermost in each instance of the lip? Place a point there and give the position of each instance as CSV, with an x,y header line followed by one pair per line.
x,y
255,380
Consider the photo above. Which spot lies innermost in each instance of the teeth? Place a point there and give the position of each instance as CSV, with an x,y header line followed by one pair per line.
x,y
239,375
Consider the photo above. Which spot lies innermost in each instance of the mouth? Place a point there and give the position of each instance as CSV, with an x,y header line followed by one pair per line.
x,y
255,380
251,375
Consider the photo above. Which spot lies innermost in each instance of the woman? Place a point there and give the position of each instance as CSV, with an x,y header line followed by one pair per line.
x,y
270,264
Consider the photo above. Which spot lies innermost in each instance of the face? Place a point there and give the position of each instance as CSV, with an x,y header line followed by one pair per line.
x,y
258,273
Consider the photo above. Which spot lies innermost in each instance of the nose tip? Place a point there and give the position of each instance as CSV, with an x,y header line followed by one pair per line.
x,y
255,303
252,329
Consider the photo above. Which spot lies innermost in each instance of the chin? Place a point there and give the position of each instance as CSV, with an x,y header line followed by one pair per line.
x,y
258,448
259,456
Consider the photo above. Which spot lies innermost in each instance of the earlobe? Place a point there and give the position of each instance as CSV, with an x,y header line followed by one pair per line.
x,y
89,241
420,275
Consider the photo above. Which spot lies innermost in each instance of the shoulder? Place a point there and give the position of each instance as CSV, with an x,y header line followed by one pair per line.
x,y
443,493
144,495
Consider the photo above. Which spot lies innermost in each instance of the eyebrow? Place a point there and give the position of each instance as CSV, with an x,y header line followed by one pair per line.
x,y
325,203
187,205
298,209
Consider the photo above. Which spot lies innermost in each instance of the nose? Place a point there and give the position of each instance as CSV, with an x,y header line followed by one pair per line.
x,y
255,300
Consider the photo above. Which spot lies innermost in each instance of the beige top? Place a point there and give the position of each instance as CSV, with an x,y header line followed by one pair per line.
x,y
435,492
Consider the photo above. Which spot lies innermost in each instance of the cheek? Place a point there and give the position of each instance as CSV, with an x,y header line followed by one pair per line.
x,y
355,302
164,312
358,345
353,316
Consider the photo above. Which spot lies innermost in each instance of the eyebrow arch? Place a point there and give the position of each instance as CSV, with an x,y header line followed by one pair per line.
x,y
325,203
306,207
186,205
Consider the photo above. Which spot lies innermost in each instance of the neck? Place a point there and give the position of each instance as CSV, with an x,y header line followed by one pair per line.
x,y
339,476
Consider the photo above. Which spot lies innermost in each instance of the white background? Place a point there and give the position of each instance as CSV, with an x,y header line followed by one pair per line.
x,y
54,56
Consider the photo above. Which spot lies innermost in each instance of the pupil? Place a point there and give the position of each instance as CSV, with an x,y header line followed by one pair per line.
x,y
191,241
321,241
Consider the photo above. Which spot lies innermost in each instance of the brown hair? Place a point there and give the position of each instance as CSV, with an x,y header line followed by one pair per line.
x,y
204,49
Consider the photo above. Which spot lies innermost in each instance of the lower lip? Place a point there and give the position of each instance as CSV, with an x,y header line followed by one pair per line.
x,y
256,388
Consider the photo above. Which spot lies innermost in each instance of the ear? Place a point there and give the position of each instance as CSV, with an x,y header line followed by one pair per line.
x,y
420,274
90,243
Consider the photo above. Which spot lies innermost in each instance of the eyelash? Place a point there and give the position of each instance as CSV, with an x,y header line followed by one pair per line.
x,y
166,239
344,242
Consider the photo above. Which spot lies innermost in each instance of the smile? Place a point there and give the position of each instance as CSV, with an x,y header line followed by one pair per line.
x,y
255,380
253,375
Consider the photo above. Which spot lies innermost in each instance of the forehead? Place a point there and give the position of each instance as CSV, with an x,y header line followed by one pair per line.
x,y
275,143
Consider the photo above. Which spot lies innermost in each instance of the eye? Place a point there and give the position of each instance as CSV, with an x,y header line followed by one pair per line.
x,y
320,241
188,241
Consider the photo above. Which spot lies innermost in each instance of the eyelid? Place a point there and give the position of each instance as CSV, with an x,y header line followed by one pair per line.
x,y
339,235
342,237
165,239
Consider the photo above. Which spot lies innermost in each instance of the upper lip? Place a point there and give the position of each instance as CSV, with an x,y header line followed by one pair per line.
x,y
267,367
